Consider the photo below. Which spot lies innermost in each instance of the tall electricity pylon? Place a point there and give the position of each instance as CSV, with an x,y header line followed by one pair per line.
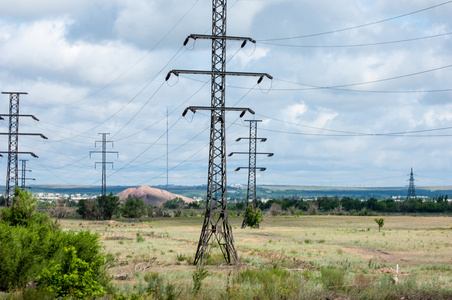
x,y
12,172
252,153
24,171
216,227
411,190
104,161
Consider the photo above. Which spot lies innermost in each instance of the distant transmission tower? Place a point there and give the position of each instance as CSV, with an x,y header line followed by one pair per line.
x,y
216,227
252,153
104,161
411,190
12,171
24,171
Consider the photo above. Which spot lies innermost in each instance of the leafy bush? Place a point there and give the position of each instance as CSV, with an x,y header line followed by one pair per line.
x,y
72,278
252,217
30,241
22,208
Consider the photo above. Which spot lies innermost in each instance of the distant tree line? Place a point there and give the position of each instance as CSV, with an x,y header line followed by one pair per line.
x,y
107,207
350,205
104,207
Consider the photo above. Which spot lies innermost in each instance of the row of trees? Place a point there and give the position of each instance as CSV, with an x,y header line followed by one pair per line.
x,y
106,206
348,204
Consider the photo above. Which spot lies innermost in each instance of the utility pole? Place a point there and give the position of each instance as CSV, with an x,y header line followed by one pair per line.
x,y
216,227
104,161
12,171
24,171
252,153
411,190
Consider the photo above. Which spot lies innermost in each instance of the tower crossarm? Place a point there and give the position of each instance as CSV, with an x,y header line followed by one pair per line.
x,y
262,169
211,37
269,154
35,134
251,138
104,152
219,73
195,108
18,152
9,115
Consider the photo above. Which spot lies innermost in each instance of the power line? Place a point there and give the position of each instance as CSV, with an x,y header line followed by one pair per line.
x,y
130,101
358,45
353,133
144,56
358,26
314,87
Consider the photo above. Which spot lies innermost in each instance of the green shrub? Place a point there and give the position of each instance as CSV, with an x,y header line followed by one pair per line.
x,y
333,279
252,217
140,238
198,276
181,257
158,289
276,282
72,278
30,241
22,209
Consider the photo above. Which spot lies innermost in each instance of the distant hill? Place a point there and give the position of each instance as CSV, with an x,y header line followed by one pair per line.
x,y
150,196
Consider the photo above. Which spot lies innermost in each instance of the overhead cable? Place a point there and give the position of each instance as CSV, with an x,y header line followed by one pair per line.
x,y
358,26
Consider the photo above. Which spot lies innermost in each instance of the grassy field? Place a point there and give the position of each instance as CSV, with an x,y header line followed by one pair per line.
x,y
305,249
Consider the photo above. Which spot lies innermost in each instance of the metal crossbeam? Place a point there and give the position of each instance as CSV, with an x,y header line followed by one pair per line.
x,y
35,134
219,73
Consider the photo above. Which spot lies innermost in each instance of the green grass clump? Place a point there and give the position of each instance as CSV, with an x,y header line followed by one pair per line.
x,y
139,238
333,279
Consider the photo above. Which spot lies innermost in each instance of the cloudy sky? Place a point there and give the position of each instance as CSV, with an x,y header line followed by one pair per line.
x,y
361,90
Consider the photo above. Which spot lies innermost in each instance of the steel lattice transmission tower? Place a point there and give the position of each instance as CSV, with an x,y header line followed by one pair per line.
x,y
252,154
104,161
12,172
411,190
216,227
24,177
